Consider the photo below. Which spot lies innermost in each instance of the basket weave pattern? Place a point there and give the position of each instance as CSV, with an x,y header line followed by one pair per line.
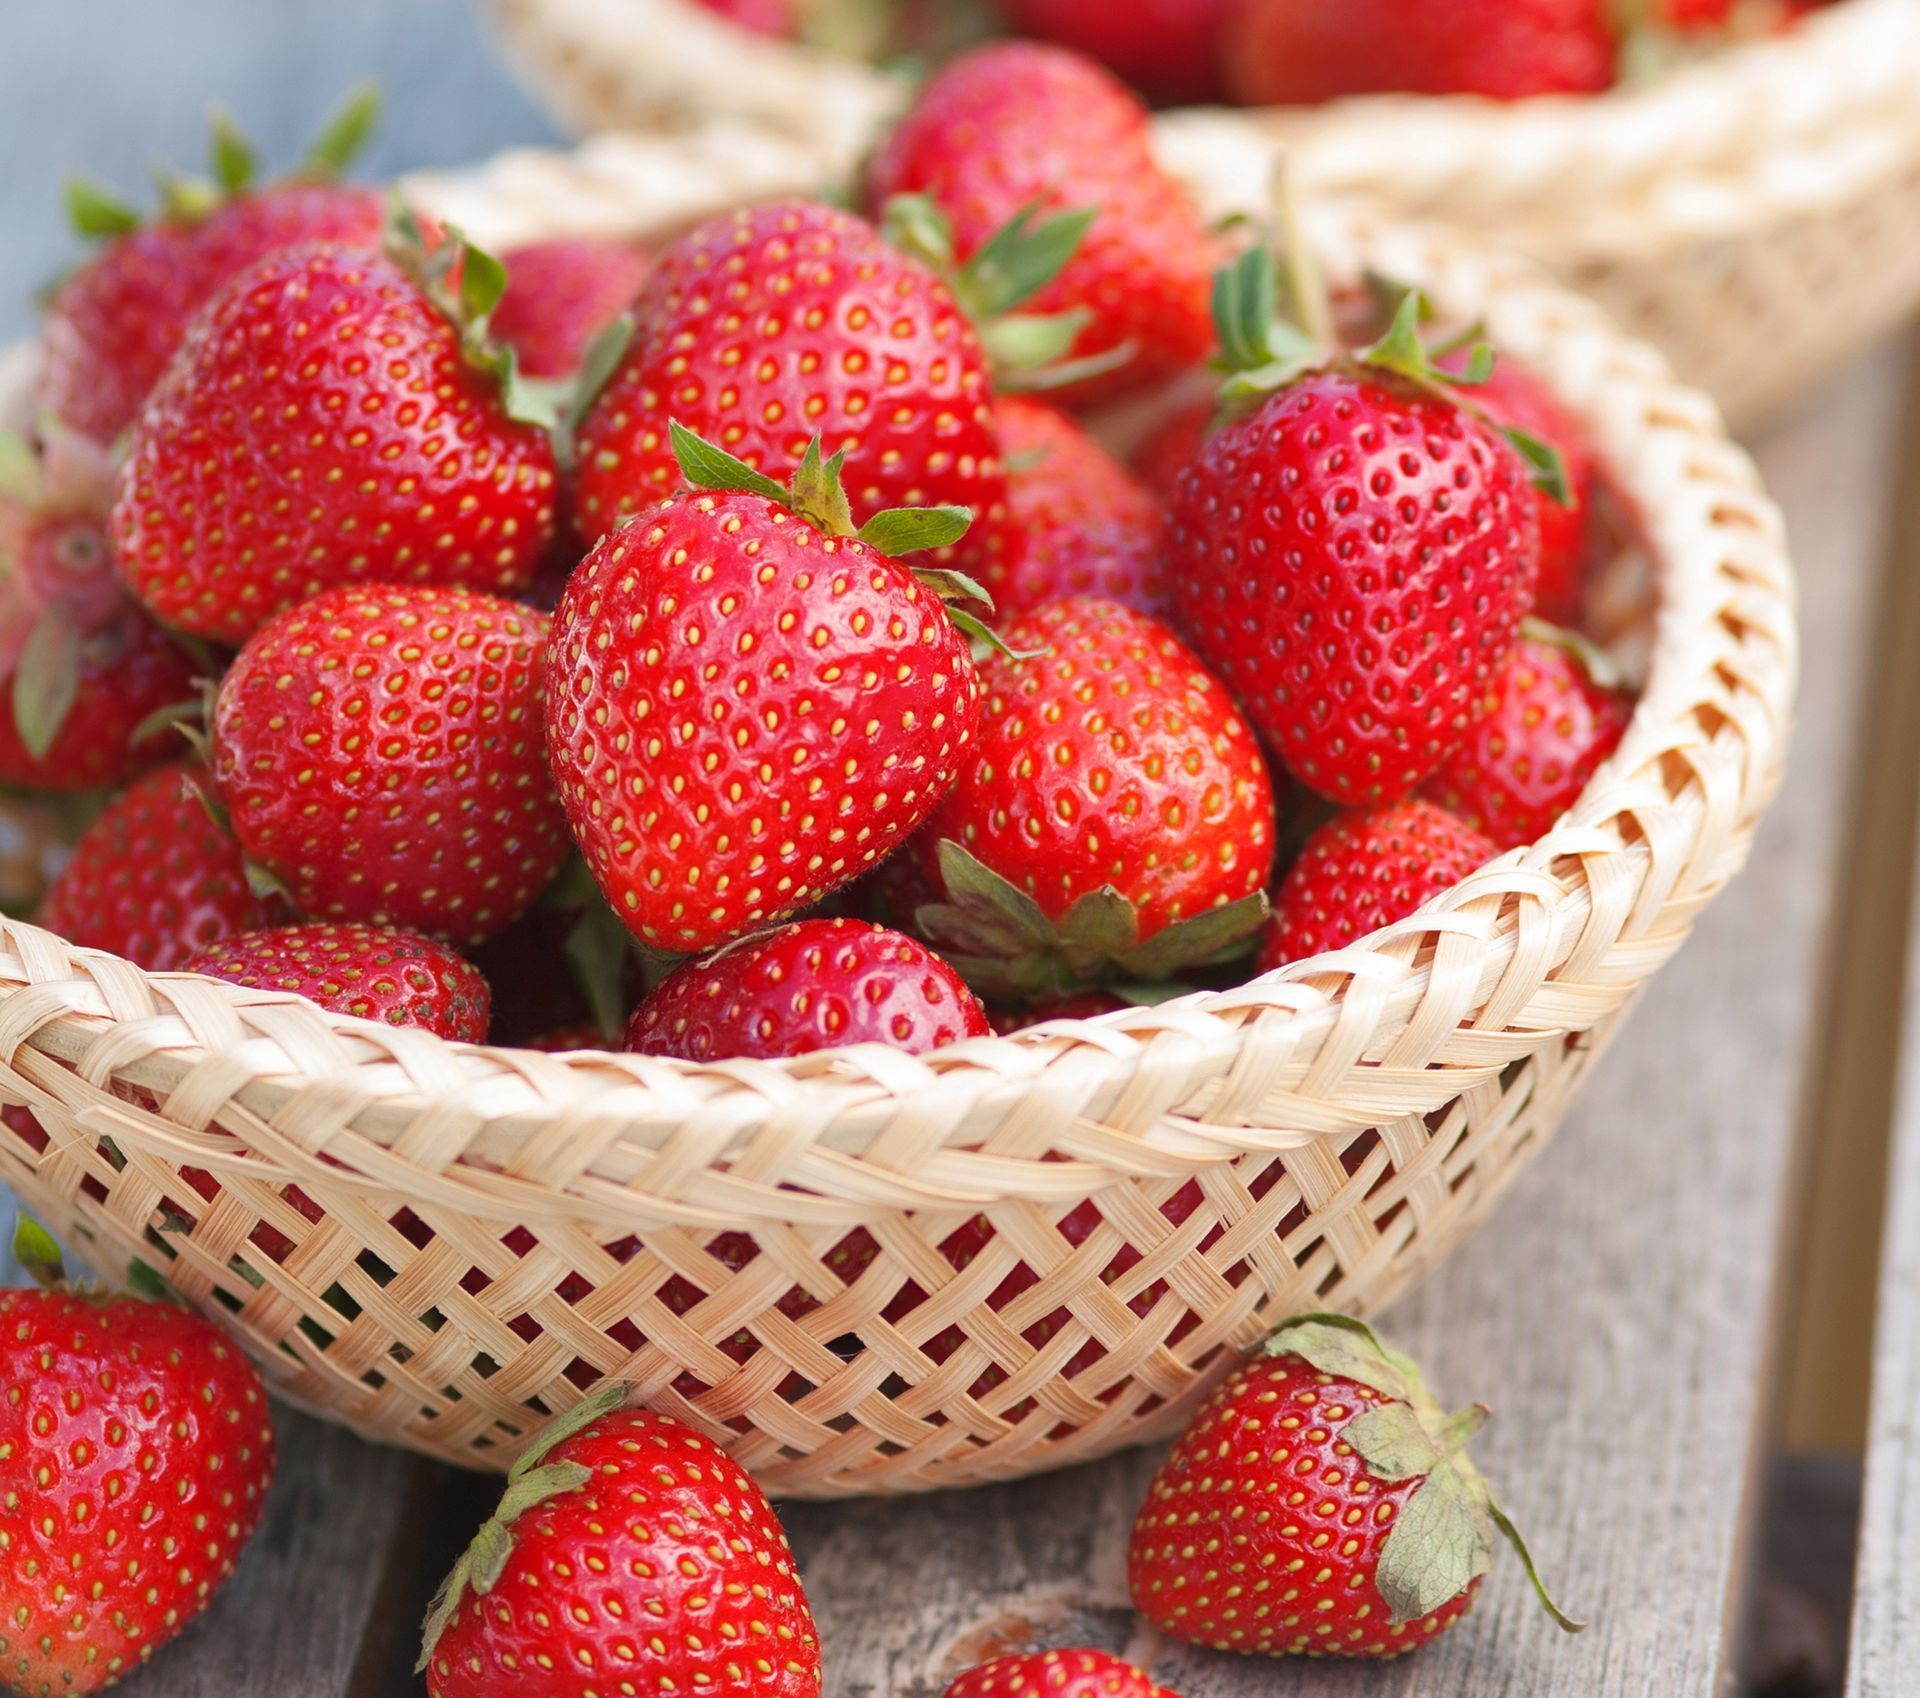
x,y
1336,1127
1757,215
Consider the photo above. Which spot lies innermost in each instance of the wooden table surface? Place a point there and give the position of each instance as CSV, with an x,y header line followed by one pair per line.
x,y
1626,1310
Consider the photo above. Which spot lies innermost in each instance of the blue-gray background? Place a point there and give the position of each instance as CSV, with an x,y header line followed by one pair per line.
x,y
105,88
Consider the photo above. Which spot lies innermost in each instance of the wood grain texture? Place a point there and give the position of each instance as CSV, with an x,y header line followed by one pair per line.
x,y
1885,1660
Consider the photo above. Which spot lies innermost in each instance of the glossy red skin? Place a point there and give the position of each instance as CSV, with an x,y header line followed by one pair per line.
x,y
1528,759
763,17
669,1563
1168,49
1301,52
372,972
1173,446
812,985
1354,558
410,468
1223,1513
892,374
560,295
157,1450
720,657
114,324
129,670
1018,124
1068,750
1517,398
1366,869
1081,523
379,751
1072,1673
153,878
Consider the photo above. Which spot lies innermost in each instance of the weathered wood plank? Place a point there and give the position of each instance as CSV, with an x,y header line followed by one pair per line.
x,y
1620,1310
1885,1660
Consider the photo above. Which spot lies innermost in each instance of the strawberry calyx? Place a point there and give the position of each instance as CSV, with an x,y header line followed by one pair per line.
x,y
531,1481
1267,344
98,215
1599,666
1442,1539
1007,948
1028,252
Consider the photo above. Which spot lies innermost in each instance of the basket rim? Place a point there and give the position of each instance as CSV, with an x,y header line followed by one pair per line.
x,y
1469,980
1677,149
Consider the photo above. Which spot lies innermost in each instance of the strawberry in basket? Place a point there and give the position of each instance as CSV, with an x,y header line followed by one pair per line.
x,y
1168,49
114,323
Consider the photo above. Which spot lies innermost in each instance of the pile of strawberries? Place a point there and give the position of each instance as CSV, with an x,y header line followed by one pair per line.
x,y
1304,52
727,645
630,1553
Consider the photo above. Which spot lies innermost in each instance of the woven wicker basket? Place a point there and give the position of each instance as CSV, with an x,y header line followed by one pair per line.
x,y
1756,215
1343,1123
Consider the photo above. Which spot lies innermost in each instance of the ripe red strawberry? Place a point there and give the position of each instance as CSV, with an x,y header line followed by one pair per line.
x,y
379,749
1168,49
774,324
377,973
628,1550
138,1453
1516,398
1018,125
1556,715
326,423
82,667
1300,52
812,985
560,295
1386,1550
1366,869
154,877
1353,554
1118,810
1080,522
1173,446
1056,1674
750,705
112,325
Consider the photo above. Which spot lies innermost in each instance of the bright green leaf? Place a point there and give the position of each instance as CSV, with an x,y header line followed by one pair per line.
x,y
234,161
706,466
1544,463
340,141
96,214
483,280
910,530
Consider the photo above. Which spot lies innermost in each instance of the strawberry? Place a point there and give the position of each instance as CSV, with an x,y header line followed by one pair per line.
x,y
83,670
1381,1556
1366,869
1168,49
628,1552
1300,52
771,325
1354,551
763,17
1117,811
1080,522
1056,1674
373,972
112,326
811,985
154,877
560,295
750,702
1018,126
391,429
1515,398
1173,446
138,1451
379,750
1557,712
